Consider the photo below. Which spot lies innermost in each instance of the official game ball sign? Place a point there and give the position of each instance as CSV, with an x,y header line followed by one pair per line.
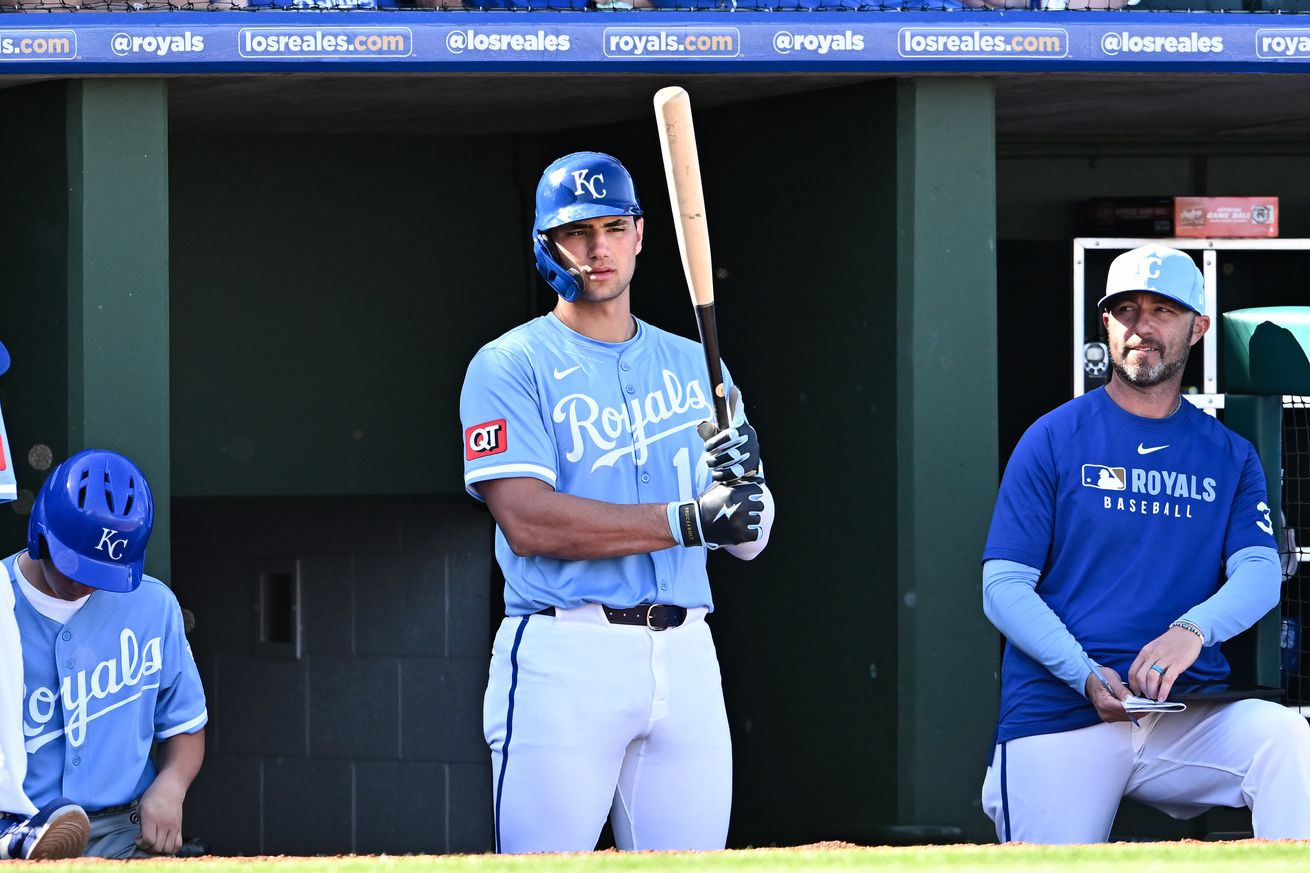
x,y
1217,217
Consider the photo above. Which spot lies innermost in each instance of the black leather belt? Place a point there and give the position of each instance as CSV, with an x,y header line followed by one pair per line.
x,y
113,810
656,616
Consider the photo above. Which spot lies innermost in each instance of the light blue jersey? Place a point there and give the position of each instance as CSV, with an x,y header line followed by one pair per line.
x,y
100,689
8,487
614,422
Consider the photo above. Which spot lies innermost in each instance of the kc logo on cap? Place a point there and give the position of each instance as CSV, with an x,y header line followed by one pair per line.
x,y
1148,268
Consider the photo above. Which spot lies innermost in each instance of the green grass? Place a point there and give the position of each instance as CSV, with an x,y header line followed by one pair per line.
x,y
1186,857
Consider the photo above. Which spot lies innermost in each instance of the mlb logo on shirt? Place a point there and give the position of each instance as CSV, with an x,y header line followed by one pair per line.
x,y
488,438
1104,478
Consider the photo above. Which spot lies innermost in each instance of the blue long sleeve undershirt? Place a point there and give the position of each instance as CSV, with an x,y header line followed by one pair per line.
x,y
1011,602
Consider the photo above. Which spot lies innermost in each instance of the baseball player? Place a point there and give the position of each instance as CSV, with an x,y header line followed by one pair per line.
x,y
1131,536
59,829
107,667
586,435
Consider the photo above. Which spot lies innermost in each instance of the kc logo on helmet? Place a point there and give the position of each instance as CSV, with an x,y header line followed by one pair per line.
x,y
580,181
110,546
485,439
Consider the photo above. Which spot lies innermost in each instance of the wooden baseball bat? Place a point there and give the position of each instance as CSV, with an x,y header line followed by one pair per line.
x,y
682,170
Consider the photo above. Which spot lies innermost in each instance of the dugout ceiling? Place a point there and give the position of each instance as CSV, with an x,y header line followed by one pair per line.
x,y
1140,108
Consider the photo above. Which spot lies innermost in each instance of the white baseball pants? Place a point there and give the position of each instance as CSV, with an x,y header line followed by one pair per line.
x,y
587,719
1066,787
13,755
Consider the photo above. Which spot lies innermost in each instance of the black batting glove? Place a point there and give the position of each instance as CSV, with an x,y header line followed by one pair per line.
x,y
733,453
725,515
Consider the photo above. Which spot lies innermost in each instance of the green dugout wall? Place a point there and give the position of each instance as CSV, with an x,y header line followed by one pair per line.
x,y
292,322
86,308
946,485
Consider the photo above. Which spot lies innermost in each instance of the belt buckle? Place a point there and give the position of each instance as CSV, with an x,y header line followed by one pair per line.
x,y
649,611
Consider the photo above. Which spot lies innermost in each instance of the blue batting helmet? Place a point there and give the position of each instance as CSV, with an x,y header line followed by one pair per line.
x,y
576,187
92,519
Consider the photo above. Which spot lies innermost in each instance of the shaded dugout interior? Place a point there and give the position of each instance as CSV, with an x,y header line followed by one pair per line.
x,y
266,290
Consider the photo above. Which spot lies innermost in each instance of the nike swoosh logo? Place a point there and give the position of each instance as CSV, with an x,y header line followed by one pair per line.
x,y
726,511
560,374
1143,450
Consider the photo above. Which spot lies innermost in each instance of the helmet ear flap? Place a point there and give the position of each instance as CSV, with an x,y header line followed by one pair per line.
x,y
36,527
565,282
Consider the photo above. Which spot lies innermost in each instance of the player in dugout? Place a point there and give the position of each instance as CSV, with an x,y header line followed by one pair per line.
x,y
586,434
106,664
58,829
1131,536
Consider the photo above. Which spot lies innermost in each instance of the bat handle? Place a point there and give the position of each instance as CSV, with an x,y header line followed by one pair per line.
x,y
721,415
709,340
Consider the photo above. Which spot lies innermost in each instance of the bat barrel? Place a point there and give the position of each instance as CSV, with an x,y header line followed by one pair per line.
x,y
686,196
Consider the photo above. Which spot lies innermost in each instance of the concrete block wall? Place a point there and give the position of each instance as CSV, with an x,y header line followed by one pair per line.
x,y
370,741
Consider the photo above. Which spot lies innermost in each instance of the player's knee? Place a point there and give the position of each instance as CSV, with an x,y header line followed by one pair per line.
x,y
1293,730
1277,726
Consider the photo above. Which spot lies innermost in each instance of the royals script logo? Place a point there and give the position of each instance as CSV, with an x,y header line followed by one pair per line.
x,y
77,691
590,424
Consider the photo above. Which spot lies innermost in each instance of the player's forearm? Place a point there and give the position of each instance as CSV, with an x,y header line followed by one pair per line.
x,y
573,528
1255,576
1011,602
180,757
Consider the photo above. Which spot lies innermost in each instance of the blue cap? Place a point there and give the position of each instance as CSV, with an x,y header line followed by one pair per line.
x,y
1160,270
4,358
